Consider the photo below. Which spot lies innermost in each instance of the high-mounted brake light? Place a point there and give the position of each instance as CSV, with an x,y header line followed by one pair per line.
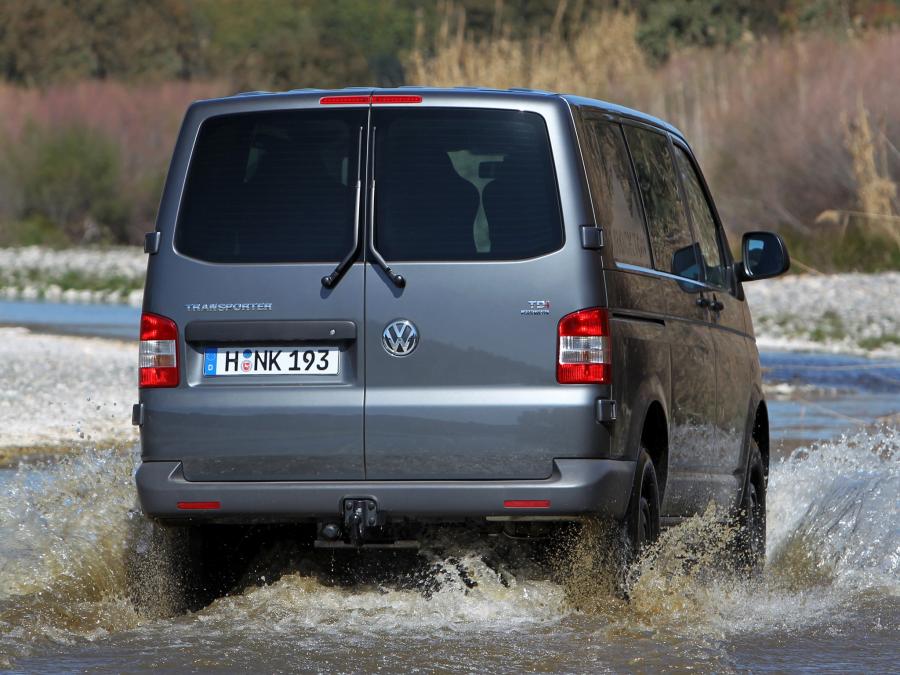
x,y
157,361
395,98
583,353
366,99
346,100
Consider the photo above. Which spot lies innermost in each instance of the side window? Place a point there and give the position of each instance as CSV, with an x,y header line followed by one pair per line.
x,y
674,250
704,223
617,206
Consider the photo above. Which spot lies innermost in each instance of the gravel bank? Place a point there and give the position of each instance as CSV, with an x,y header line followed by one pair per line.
x,y
63,392
114,275
850,313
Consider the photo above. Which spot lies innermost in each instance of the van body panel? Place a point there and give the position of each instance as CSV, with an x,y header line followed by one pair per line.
x,y
641,352
474,414
575,486
707,370
478,398
269,427
264,427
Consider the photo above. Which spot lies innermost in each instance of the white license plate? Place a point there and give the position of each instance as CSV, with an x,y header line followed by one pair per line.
x,y
268,361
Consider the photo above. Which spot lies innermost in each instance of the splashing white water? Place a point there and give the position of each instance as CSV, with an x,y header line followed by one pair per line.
x,y
833,539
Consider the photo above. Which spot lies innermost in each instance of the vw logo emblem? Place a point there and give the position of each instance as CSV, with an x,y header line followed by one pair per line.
x,y
400,338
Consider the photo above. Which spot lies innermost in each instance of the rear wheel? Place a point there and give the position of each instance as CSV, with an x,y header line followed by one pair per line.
x,y
599,557
158,568
175,569
642,519
750,519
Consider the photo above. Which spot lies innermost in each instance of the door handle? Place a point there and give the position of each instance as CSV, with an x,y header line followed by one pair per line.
x,y
713,305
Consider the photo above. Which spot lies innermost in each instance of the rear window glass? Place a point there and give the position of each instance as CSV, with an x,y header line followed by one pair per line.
x,y
462,184
272,187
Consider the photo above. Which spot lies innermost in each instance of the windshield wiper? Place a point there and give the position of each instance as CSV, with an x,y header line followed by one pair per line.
x,y
331,280
398,280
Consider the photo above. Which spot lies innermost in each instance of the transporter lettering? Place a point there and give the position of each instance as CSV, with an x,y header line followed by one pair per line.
x,y
229,307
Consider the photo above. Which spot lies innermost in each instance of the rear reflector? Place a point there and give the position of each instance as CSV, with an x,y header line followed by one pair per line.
x,y
157,360
198,506
583,352
377,99
526,504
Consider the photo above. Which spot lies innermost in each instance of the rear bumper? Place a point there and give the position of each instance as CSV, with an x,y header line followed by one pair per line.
x,y
576,487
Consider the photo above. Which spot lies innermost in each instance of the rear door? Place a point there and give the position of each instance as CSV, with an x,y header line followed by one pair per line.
x,y
273,364
460,362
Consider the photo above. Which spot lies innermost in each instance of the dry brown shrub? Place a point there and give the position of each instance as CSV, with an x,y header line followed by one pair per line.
x,y
876,192
140,121
590,59
764,117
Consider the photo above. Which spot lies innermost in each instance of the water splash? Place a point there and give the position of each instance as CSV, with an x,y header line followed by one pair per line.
x,y
833,539
833,542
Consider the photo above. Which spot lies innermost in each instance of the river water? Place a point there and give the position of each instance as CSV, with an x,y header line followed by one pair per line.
x,y
828,600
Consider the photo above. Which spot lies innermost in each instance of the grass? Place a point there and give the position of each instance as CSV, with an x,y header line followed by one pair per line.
x,y
830,328
872,343
71,280
843,250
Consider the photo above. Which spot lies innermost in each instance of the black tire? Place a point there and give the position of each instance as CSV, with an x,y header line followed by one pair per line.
x,y
158,568
173,569
642,518
750,518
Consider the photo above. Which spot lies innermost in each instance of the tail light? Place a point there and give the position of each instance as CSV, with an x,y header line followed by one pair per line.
x,y
583,356
157,361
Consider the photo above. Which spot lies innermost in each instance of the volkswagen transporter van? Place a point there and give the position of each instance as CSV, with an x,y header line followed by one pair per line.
x,y
372,309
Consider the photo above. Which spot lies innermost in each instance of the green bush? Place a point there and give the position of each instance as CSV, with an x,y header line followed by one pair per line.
x,y
70,177
852,251
32,232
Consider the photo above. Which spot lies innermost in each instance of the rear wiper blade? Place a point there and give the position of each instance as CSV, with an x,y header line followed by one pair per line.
x,y
331,280
398,280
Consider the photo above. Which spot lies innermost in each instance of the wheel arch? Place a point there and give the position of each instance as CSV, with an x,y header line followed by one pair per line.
x,y
655,439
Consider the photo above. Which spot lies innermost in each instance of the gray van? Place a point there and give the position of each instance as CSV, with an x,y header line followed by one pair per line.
x,y
371,309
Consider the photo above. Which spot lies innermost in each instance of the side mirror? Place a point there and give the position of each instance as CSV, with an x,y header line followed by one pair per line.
x,y
765,256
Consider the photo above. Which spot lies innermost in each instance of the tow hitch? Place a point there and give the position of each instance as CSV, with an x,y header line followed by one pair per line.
x,y
362,526
359,516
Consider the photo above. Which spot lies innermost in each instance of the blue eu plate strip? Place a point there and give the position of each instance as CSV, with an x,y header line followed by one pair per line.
x,y
209,361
